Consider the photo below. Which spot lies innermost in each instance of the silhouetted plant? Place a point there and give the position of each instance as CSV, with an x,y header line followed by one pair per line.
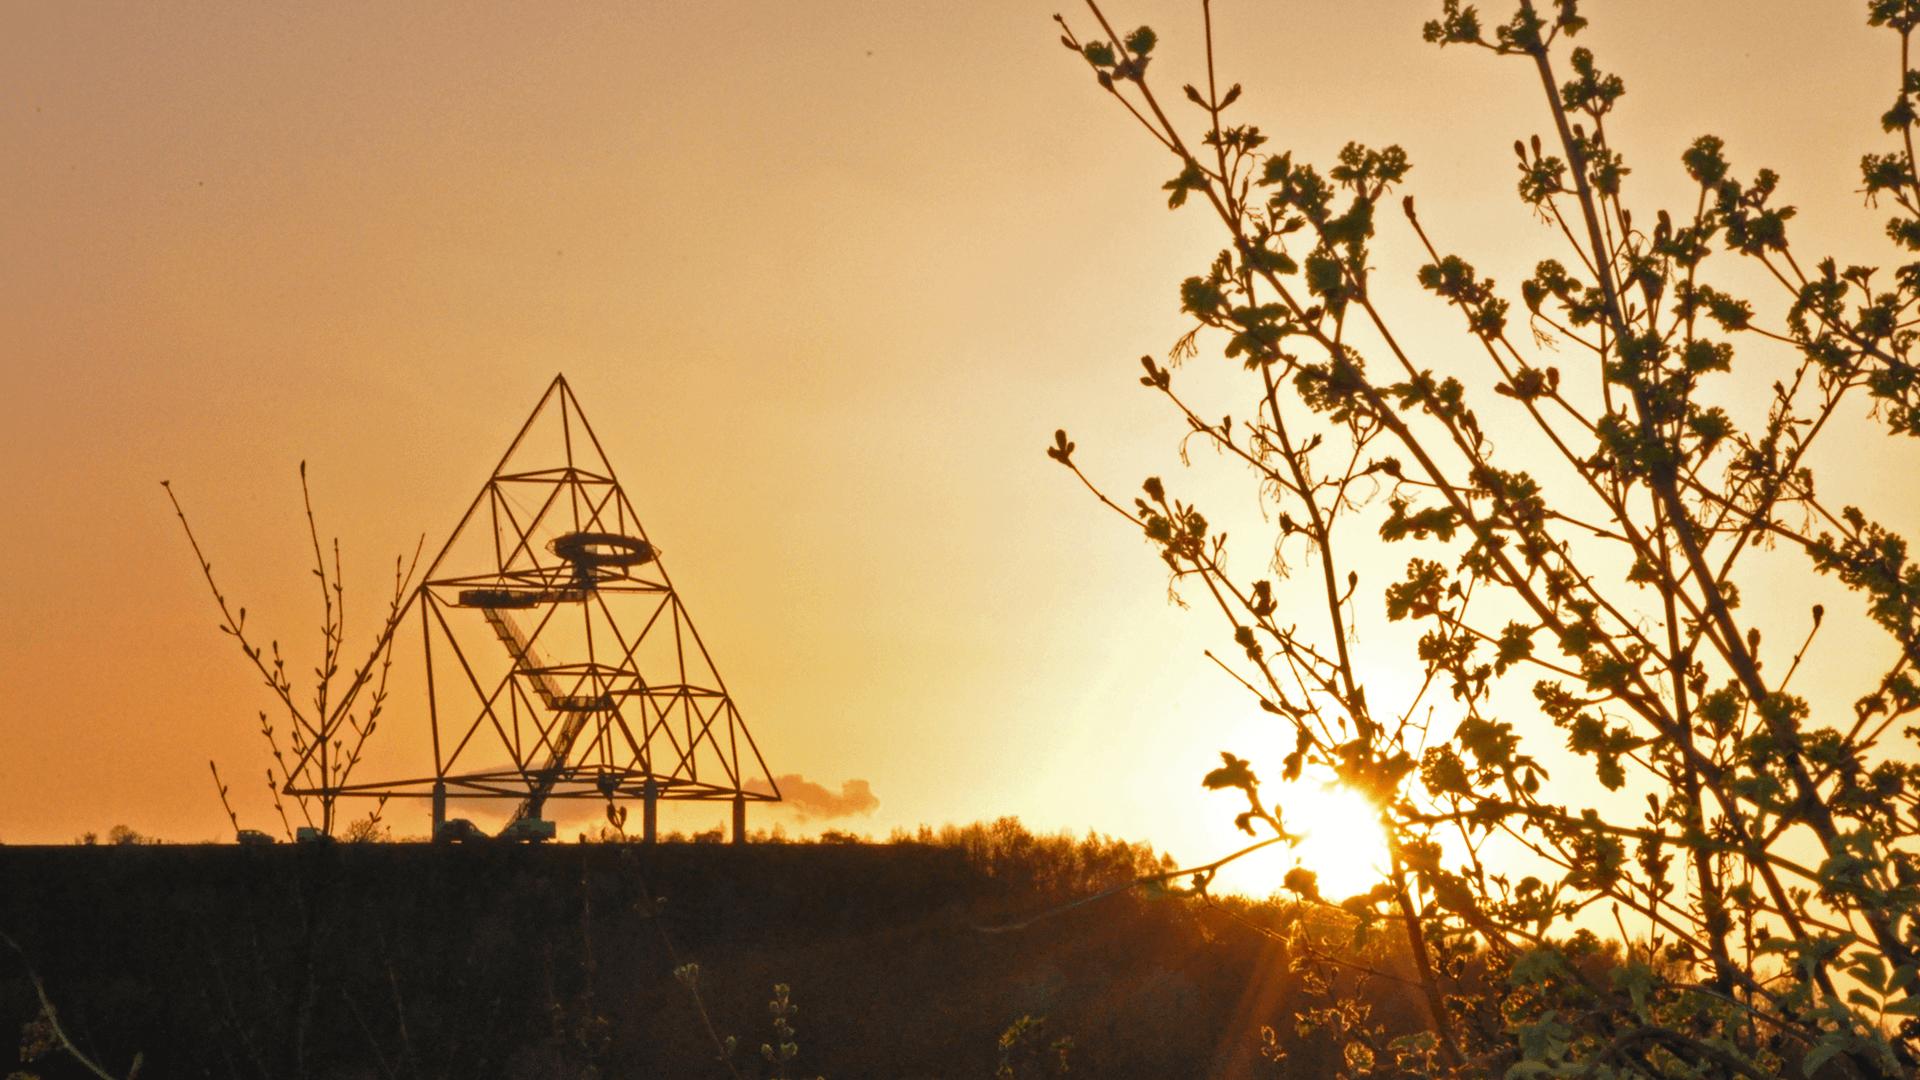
x,y
1607,574
783,1049
1057,865
326,745
43,1037
368,830
1024,1053
118,836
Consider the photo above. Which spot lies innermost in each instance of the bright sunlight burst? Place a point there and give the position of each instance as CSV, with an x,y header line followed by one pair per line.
x,y
1343,843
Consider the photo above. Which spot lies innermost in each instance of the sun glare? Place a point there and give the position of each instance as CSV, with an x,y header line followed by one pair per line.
x,y
1343,843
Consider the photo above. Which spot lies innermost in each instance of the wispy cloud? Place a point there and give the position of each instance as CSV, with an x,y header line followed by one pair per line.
x,y
810,800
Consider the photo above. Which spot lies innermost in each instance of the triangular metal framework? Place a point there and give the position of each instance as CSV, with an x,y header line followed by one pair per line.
x,y
559,661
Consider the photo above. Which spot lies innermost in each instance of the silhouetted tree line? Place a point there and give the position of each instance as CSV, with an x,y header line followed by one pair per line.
x,y
960,952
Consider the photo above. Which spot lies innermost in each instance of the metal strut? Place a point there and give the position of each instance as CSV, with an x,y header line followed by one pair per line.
x,y
575,707
612,694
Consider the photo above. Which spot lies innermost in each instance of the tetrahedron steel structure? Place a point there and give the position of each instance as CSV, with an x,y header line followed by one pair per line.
x,y
560,662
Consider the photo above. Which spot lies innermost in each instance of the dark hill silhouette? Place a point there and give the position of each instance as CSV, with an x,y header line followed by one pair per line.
x,y
476,960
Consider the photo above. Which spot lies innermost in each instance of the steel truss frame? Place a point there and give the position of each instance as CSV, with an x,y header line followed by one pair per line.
x,y
634,709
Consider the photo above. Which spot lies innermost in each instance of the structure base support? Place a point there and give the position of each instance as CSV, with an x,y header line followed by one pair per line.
x,y
650,813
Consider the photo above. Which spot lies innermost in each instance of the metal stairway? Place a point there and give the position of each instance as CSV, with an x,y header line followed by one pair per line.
x,y
575,707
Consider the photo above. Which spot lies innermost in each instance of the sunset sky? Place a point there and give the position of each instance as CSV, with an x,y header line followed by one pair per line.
x,y
825,277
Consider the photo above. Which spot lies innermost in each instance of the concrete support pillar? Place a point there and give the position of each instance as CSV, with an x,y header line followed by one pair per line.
x,y
439,807
650,811
739,819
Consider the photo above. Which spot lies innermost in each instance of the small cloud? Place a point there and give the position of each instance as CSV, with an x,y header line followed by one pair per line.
x,y
810,800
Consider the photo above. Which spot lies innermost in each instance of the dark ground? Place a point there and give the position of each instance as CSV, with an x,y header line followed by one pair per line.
x,y
482,960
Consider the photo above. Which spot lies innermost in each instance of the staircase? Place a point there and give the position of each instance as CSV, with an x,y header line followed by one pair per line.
x,y
575,707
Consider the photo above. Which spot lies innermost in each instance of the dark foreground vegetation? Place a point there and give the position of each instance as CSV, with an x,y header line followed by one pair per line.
x,y
475,960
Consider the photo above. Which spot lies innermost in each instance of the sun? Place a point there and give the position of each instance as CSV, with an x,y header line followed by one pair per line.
x,y
1342,841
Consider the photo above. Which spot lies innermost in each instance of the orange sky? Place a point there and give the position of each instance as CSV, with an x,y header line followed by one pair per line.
x,y
825,277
